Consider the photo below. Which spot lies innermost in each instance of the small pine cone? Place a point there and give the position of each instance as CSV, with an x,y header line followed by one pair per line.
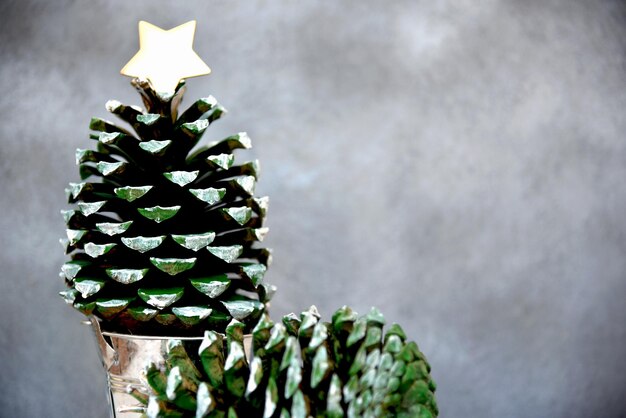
x,y
300,368
162,238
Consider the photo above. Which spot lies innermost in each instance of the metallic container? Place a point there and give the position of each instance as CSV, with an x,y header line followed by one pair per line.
x,y
125,356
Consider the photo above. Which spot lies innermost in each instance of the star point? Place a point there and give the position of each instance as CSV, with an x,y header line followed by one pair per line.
x,y
166,56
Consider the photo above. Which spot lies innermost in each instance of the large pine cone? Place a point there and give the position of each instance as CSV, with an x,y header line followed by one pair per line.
x,y
162,238
300,368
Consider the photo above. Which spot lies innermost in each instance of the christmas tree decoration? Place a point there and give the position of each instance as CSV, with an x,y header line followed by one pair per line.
x,y
300,368
163,239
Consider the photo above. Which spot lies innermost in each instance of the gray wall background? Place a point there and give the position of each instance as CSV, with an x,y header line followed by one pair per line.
x,y
459,164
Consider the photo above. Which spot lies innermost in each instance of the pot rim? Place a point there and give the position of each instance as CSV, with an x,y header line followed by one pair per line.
x,y
137,336
149,337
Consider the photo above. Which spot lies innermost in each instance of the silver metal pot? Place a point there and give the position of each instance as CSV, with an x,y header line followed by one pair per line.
x,y
125,356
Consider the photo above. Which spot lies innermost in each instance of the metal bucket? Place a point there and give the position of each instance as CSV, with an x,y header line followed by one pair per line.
x,y
124,357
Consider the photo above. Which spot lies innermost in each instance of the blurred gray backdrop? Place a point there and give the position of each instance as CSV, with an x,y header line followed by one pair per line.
x,y
459,164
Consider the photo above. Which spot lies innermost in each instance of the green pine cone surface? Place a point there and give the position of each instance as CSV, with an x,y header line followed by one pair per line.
x,y
162,236
300,368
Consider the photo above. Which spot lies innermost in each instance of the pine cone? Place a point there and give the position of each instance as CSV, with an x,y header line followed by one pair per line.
x,y
300,368
162,238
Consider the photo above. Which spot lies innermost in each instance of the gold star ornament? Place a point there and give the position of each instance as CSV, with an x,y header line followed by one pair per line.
x,y
166,56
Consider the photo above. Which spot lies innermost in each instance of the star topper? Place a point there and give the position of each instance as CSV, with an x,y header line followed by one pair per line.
x,y
165,56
